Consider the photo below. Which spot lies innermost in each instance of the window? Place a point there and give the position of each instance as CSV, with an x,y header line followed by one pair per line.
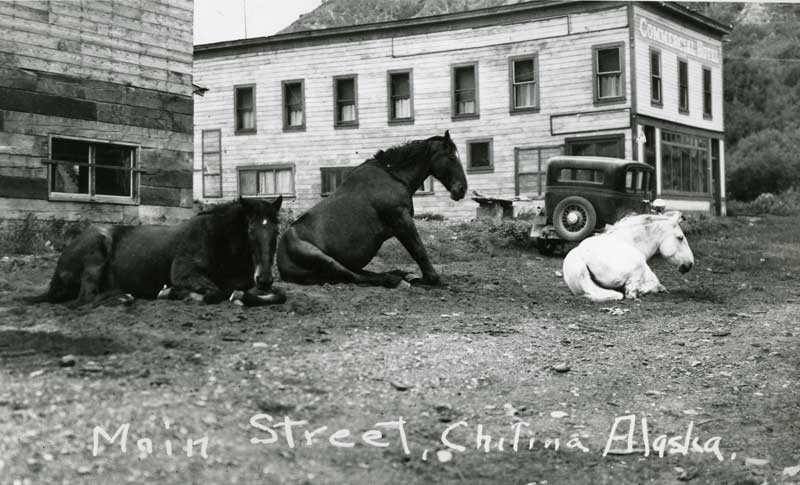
x,y
465,91
345,93
212,163
266,180
524,84
245,108
706,92
479,156
293,105
683,86
587,175
603,146
427,187
401,105
93,171
608,74
684,162
655,78
531,169
637,181
332,178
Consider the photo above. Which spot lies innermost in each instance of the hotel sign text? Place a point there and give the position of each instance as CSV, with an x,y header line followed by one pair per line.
x,y
665,36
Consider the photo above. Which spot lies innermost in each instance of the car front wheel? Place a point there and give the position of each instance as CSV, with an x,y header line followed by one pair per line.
x,y
574,218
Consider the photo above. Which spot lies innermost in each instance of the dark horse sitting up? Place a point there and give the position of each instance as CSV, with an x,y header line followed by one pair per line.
x,y
228,248
336,238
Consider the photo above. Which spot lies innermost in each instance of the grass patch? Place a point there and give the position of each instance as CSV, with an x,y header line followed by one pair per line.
x,y
35,236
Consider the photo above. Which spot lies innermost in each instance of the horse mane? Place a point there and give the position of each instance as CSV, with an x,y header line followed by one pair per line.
x,y
635,220
401,156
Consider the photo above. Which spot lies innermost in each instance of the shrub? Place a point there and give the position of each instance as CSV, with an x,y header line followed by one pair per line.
x,y
785,204
765,162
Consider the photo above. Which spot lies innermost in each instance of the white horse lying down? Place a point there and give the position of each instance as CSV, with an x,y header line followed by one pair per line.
x,y
603,265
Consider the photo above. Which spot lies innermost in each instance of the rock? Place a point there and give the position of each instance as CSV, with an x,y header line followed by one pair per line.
x,y
558,414
720,333
67,361
92,366
36,373
84,470
790,471
195,358
260,345
444,456
755,461
561,367
399,385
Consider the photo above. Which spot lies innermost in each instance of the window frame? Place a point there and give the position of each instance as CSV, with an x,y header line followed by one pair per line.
x,y
135,174
656,102
486,169
708,114
621,98
681,108
667,146
336,122
423,190
617,137
236,129
284,105
390,99
541,167
454,115
203,165
513,109
264,167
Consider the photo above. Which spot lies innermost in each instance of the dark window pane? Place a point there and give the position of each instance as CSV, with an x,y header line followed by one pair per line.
x,y
655,64
401,85
465,78
247,182
479,155
109,181
523,71
608,60
70,177
346,89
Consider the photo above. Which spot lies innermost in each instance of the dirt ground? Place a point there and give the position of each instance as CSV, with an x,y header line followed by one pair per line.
x,y
503,349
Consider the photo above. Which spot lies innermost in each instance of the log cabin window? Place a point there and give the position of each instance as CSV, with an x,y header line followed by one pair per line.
x,y
212,163
345,94
524,83
706,93
479,155
683,86
294,105
684,163
332,178
401,103
655,78
266,180
92,171
245,108
464,79
609,79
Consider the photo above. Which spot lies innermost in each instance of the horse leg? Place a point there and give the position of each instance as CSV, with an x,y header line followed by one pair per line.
x,y
301,262
405,231
645,282
190,281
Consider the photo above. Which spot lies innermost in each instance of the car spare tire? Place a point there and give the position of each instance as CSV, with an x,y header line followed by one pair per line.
x,y
574,218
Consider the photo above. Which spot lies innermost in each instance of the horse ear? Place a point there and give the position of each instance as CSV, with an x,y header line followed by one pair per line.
x,y
676,216
277,203
447,135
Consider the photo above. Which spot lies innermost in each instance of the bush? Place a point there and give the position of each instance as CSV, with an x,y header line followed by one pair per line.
x,y
785,204
765,162
34,236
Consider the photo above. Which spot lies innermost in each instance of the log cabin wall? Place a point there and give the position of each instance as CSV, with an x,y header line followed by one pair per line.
x,y
96,110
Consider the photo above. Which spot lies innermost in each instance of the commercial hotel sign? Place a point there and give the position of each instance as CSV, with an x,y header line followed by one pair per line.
x,y
660,34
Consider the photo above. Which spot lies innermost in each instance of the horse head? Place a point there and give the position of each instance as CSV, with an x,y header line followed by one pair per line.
x,y
262,233
674,246
446,166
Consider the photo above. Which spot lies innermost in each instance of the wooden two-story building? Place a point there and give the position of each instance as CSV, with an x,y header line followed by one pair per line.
x,y
515,85
96,110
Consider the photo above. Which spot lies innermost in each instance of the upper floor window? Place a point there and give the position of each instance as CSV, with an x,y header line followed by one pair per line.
x,y
332,178
93,171
608,74
479,155
293,105
345,94
401,104
266,180
245,108
707,92
683,86
465,90
212,163
524,83
655,77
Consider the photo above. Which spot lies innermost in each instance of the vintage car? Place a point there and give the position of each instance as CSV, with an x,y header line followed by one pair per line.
x,y
583,194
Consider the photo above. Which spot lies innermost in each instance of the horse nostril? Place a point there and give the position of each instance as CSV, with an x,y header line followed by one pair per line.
x,y
684,268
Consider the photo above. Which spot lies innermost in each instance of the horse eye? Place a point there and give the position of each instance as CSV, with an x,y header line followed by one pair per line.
x,y
680,238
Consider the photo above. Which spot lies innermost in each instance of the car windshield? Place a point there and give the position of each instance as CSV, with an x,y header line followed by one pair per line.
x,y
581,175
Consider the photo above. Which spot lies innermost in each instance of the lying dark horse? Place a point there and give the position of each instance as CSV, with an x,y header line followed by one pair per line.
x,y
228,248
336,238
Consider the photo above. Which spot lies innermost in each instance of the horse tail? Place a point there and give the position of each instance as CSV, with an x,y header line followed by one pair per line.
x,y
581,282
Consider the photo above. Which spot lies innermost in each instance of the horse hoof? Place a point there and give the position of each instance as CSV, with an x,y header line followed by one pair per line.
x,y
195,296
403,285
238,302
236,296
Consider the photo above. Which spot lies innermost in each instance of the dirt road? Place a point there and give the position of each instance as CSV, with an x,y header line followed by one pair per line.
x,y
502,351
